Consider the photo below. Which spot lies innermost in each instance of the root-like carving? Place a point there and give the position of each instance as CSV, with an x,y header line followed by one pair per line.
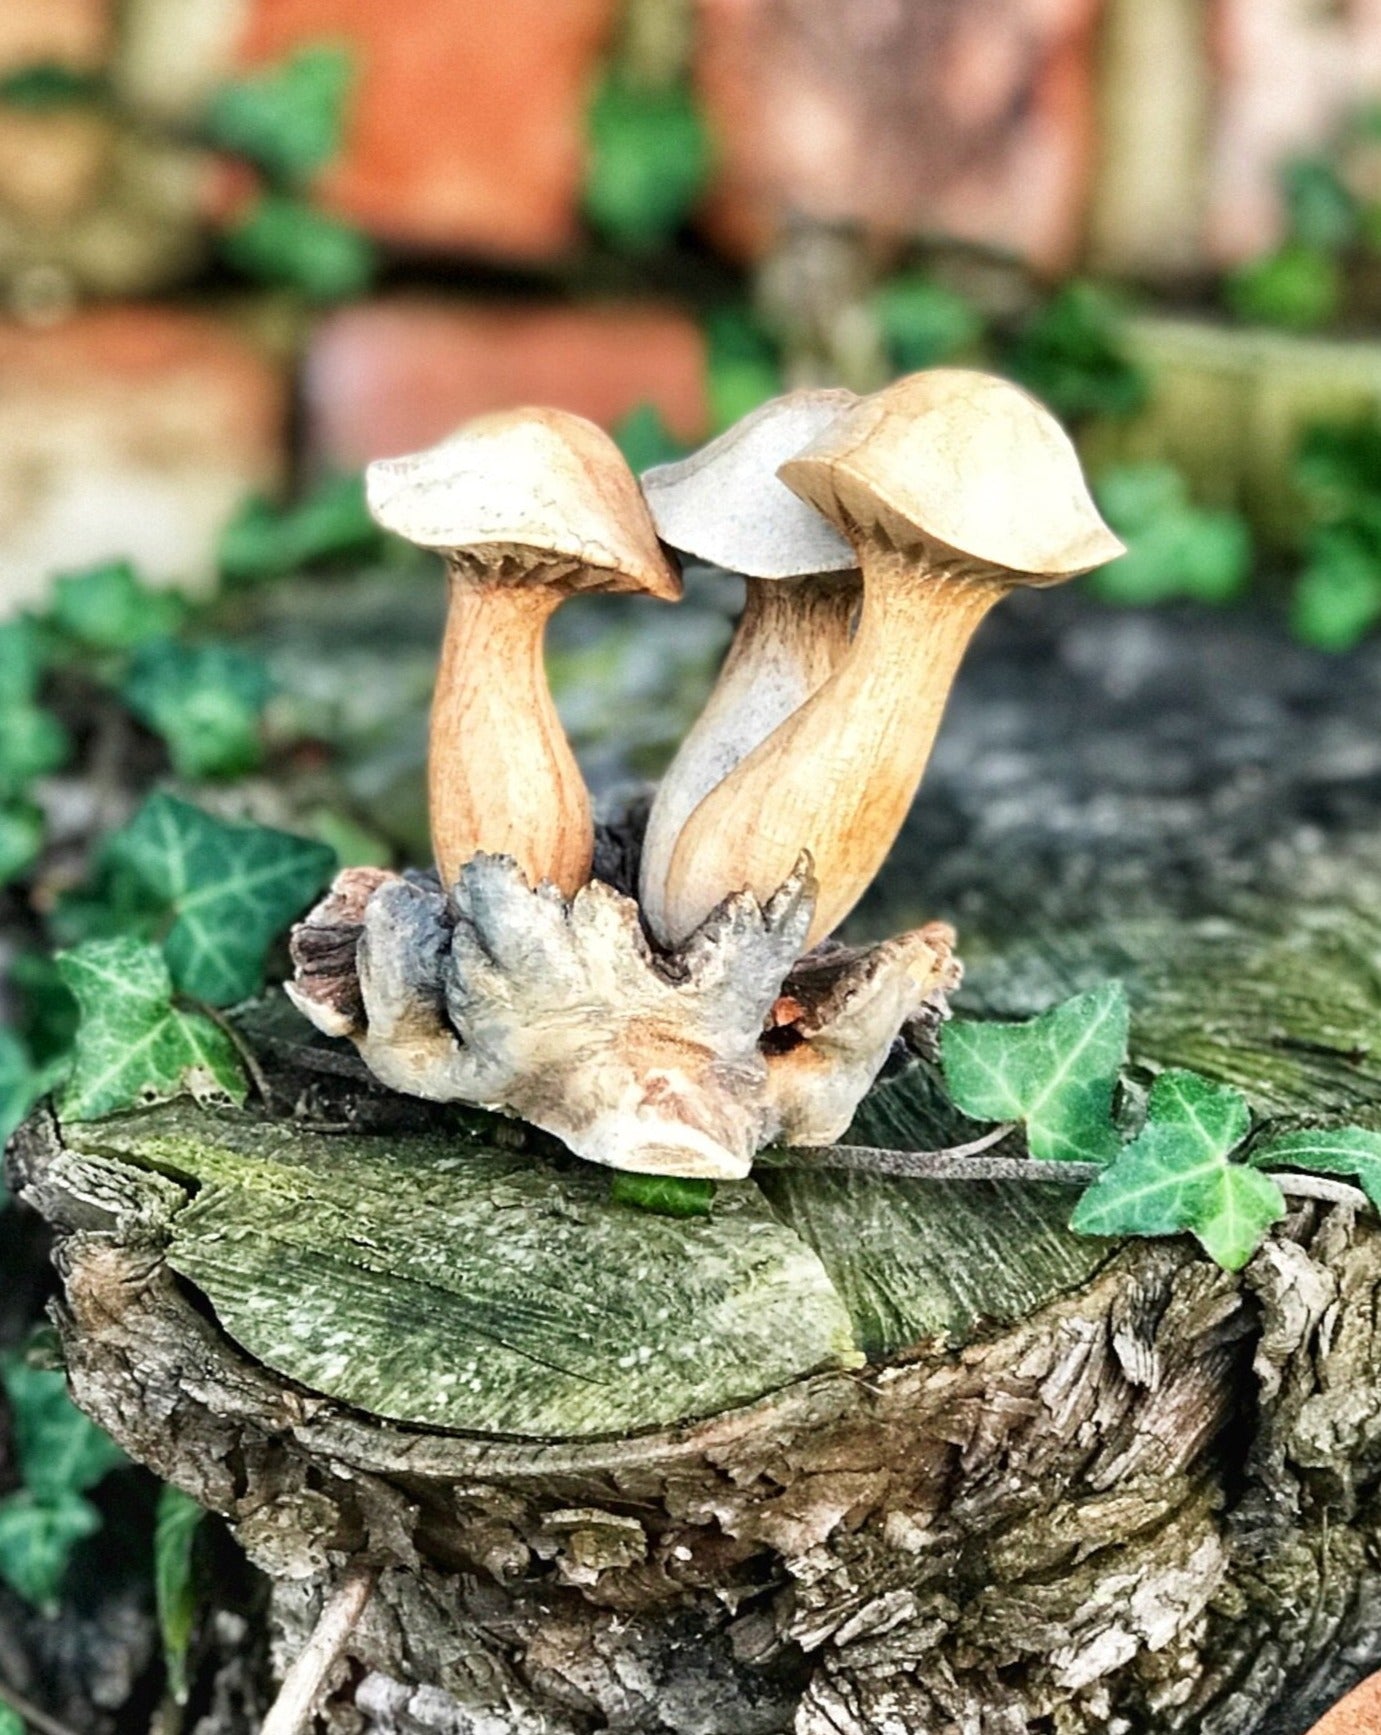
x,y
562,1011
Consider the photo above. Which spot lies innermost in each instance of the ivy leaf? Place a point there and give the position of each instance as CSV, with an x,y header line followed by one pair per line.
x,y
108,608
21,838
60,1451
1056,1073
133,1044
1337,599
1174,548
264,541
11,1723
1072,354
924,324
649,156
48,85
289,120
285,241
743,368
1175,1175
175,1533
206,701
37,1537
230,890
644,439
1297,287
1320,210
1351,1151
32,741
22,1082
666,1195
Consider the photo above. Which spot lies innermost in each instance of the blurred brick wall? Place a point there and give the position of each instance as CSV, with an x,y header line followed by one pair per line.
x,y
1137,137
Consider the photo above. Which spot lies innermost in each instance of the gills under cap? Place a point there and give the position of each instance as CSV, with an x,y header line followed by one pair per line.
x,y
540,483
724,504
964,460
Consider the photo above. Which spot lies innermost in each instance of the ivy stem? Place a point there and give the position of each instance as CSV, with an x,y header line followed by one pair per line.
x,y
966,1163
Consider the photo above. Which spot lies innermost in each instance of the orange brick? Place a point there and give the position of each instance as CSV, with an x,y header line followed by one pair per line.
x,y
71,32
1358,1714
397,375
128,431
469,120
968,118
1288,71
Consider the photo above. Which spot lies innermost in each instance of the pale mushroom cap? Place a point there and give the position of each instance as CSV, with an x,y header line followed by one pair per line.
x,y
963,460
528,488
725,505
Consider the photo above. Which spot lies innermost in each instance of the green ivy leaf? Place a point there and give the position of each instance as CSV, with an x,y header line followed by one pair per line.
x,y
37,1538
134,1046
1297,287
21,661
284,241
60,1451
264,541
649,158
22,1082
1055,1073
206,701
1072,354
32,741
1320,210
21,838
1175,1175
229,889
644,439
11,1723
667,1195
743,369
923,324
1351,1151
1174,548
46,85
289,120
1337,598
108,608
175,1533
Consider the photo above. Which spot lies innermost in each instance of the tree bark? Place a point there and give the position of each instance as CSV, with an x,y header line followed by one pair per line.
x,y
857,1454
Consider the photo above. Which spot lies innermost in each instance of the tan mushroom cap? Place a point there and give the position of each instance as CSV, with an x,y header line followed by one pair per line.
x,y
528,490
963,461
725,505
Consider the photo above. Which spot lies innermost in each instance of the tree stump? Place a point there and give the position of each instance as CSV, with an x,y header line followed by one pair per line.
x,y
854,1454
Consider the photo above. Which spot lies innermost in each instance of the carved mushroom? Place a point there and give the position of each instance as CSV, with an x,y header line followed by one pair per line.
x,y
528,508
725,505
954,487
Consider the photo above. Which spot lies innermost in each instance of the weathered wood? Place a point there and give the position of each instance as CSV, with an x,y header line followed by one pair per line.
x,y
1075,1488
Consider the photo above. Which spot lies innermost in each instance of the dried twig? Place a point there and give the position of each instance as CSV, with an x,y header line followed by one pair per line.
x,y
31,1714
292,1709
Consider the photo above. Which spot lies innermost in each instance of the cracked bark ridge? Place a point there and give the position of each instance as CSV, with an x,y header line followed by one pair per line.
x,y
1149,1502
563,1012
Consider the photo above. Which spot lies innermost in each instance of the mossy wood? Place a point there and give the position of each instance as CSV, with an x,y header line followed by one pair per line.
x,y
624,1472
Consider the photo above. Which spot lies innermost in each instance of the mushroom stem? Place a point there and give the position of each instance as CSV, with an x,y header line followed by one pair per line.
x,y
525,797
790,638
837,777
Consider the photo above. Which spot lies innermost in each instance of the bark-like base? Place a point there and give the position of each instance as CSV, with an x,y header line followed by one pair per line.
x,y
1139,1494
561,1011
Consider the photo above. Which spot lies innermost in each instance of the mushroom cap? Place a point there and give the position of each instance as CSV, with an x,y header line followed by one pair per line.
x,y
963,460
725,505
522,491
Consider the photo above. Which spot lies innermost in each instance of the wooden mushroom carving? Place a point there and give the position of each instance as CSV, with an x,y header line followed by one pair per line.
x,y
680,1033
954,488
724,505
528,507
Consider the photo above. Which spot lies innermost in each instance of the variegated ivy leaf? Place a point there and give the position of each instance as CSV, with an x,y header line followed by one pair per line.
x,y
1055,1073
1351,1151
1177,1175
133,1044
